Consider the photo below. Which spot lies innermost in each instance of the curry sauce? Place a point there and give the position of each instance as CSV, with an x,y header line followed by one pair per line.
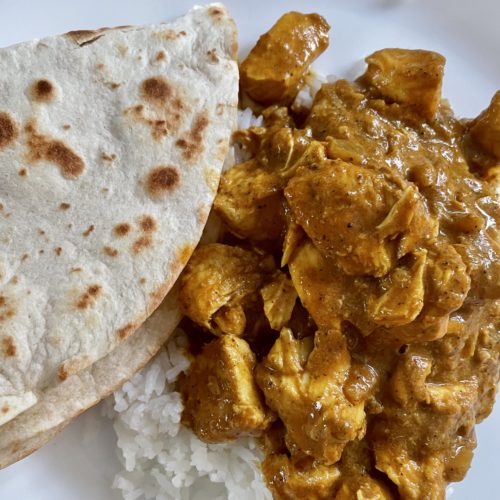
x,y
353,304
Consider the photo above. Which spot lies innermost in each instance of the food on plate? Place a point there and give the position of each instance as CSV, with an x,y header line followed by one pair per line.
x,y
111,146
58,406
224,367
350,313
274,70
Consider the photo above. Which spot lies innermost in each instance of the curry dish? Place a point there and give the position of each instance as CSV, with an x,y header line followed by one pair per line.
x,y
349,316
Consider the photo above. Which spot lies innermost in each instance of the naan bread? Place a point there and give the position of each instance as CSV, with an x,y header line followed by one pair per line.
x,y
111,146
58,405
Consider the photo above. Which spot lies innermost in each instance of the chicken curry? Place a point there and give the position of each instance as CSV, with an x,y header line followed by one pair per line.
x,y
350,314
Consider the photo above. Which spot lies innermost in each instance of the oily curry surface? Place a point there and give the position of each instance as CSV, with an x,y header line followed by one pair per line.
x,y
350,314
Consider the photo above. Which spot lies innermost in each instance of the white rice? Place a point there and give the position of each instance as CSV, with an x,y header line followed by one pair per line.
x,y
305,97
247,119
161,459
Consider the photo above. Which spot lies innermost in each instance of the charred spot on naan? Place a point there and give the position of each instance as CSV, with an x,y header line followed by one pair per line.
x,y
160,56
191,143
88,298
86,37
110,251
8,130
143,242
22,172
122,229
7,311
107,157
156,90
41,147
161,125
125,331
8,347
43,91
212,56
64,206
163,107
161,181
62,373
88,230
148,224
72,366
170,35
216,13
8,314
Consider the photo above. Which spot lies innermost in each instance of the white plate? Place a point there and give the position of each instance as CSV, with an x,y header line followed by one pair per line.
x,y
81,462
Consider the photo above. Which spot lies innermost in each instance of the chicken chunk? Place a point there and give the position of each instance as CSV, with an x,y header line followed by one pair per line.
x,y
415,480
274,70
217,282
340,117
360,383
425,437
304,385
407,384
221,399
279,298
299,478
485,129
403,296
447,278
362,487
413,302
294,236
412,78
420,451
327,293
354,214
447,284
249,201
452,398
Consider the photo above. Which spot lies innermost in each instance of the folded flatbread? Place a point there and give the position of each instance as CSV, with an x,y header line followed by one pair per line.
x,y
111,147
60,404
